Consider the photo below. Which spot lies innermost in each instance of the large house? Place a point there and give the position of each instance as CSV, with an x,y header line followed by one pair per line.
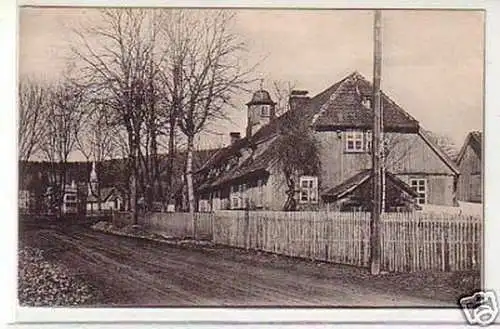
x,y
244,175
470,165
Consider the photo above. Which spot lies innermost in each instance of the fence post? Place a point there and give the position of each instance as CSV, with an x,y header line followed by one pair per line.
x,y
246,229
212,226
444,247
194,219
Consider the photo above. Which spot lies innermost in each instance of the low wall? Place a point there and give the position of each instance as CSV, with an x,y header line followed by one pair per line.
x,y
120,219
176,225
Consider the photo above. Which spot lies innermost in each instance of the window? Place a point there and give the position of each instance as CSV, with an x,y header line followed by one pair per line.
x,y
235,197
419,185
70,198
354,141
358,141
308,189
238,196
366,101
265,110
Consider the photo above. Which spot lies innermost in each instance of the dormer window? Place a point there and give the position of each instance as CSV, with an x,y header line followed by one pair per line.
x,y
366,102
265,110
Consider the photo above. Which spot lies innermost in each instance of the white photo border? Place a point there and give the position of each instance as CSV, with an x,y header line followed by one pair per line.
x,y
266,316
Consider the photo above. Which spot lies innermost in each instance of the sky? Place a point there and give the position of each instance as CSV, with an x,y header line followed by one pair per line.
x,y
432,60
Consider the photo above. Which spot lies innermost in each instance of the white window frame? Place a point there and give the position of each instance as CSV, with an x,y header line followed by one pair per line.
x,y
308,189
419,185
235,199
238,196
355,137
265,110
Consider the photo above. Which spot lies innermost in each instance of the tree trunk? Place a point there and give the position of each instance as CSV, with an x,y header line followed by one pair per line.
x,y
62,188
189,180
291,203
133,185
171,155
99,201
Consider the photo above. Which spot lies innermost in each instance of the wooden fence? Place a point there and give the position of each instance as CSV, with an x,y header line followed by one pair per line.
x,y
410,241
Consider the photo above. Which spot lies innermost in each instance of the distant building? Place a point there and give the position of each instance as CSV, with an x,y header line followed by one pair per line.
x,y
69,204
470,165
70,199
341,118
25,201
101,198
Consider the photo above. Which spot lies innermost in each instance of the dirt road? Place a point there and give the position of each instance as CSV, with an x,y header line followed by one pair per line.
x,y
136,272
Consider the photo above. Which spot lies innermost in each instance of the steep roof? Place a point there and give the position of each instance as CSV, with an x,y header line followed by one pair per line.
x,y
345,109
475,140
338,107
357,180
270,130
110,193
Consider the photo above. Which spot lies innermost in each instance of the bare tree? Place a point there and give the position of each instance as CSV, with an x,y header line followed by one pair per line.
x,y
96,138
64,113
296,153
32,104
204,72
281,91
445,143
117,55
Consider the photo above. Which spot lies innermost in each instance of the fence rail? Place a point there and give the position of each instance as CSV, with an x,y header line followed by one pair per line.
x,y
410,241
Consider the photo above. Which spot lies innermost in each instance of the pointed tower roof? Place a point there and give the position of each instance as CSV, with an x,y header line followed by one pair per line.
x,y
93,173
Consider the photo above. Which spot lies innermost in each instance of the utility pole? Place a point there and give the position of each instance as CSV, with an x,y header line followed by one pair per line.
x,y
375,243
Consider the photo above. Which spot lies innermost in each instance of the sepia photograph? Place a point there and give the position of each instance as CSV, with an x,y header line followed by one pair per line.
x,y
258,157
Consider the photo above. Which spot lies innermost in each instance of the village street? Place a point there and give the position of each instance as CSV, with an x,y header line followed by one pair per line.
x,y
136,272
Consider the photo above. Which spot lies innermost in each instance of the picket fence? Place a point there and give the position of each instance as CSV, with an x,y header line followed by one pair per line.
x,y
410,241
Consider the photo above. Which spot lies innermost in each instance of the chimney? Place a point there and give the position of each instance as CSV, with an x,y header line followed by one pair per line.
x,y
298,99
235,136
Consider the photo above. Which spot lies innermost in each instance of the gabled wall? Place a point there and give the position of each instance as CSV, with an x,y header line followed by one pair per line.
x,y
409,156
469,182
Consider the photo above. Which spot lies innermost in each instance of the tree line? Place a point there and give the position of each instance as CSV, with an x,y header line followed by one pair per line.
x,y
139,82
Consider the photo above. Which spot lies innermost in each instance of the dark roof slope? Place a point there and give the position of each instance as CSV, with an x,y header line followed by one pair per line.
x,y
475,140
270,130
357,180
346,110
337,107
